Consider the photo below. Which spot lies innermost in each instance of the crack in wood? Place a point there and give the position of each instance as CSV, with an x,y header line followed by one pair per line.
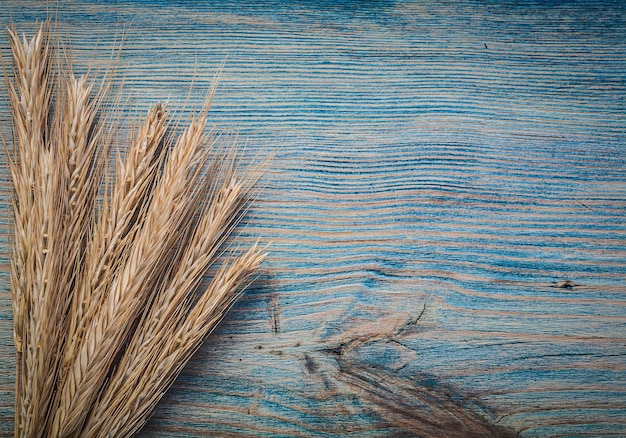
x,y
418,408
418,405
273,308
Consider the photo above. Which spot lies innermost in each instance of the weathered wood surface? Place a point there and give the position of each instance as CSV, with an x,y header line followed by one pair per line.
x,y
446,207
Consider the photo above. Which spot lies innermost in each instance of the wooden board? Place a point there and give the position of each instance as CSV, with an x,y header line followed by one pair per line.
x,y
446,208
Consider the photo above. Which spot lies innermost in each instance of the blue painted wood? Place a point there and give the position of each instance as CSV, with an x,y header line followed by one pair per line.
x,y
446,208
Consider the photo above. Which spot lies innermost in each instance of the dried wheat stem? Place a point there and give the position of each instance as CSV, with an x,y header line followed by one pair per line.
x,y
171,305
115,227
75,160
146,383
113,233
105,303
110,326
30,103
73,186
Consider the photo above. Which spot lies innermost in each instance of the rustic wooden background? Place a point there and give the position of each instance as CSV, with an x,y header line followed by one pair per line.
x,y
446,208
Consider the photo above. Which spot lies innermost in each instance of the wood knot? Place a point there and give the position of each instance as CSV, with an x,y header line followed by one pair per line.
x,y
566,284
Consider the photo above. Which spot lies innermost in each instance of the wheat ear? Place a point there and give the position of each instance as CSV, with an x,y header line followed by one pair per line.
x,y
129,288
77,146
172,302
30,168
105,299
115,227
112,235
147,382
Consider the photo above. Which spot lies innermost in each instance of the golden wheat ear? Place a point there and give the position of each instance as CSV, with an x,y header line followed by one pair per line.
x,y
107,298
115,226
31,167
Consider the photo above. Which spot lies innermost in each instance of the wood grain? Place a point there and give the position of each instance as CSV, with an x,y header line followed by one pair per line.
x,y
446,208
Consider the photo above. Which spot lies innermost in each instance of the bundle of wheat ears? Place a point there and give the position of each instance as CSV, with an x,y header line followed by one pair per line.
x,y
107,271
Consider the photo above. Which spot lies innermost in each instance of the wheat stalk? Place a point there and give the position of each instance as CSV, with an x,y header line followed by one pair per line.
x,y
114,228
105,303
30,170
